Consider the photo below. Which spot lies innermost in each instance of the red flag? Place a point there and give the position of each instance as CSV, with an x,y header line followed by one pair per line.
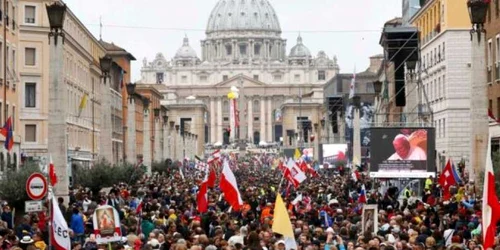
x,y
211,177
201,197
138,210
491,207
52,173
447,179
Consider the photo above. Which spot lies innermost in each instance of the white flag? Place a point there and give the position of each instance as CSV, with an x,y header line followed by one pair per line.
x,y
352,88
60,231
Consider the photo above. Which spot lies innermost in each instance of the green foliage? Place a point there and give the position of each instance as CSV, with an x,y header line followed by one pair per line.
x,y
103,174
495,158
13,184
160,167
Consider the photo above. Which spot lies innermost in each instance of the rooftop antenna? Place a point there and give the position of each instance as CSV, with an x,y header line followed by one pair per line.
x,y
100,28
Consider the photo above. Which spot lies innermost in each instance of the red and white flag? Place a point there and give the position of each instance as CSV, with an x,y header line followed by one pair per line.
x,y
202,197
491,207
293,173
229,187
447,179
52,173
60,231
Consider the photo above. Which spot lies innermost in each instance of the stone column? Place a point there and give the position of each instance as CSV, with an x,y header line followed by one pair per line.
x,y
146,152
269,120
356,148
233,44
131,135
57,141
165,141
219,120
262,120
478,110
106,135
250,119
158,133
213,133
250,48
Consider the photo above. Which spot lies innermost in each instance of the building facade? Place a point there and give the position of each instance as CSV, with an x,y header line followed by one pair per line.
x,y
93,106
244,49
9,82
445,56
492,27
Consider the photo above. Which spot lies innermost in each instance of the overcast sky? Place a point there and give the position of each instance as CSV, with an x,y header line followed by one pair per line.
x,y
349,29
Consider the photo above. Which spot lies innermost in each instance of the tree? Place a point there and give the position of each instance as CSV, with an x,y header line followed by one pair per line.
x,y
13,184
103,174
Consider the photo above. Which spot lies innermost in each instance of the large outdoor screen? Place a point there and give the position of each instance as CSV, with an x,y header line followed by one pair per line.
x,y
334,153
402,152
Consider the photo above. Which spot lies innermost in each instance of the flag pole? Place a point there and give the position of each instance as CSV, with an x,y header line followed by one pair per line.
x,y
49,202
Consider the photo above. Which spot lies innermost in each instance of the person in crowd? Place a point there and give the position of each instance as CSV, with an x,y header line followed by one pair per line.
x,y
405,151
77,225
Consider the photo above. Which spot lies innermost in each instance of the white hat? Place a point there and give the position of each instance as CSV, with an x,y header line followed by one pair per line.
x,y
280,242
329,230
153,242
26,240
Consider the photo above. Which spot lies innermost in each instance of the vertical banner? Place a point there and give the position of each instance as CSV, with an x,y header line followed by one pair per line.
x,y
106,225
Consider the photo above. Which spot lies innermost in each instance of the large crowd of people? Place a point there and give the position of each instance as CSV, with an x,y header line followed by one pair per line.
x,y
160,212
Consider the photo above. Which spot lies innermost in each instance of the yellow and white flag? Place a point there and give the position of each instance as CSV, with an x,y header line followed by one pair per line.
x,y
282,223
83,104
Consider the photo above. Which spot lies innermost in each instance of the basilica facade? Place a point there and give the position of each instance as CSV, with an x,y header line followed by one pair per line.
x,y
280,90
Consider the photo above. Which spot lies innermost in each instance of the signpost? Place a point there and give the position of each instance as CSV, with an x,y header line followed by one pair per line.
x,y
33,206
36,186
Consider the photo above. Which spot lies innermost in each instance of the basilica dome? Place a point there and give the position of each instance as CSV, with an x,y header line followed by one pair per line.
x,y
300,50
185,52
243,15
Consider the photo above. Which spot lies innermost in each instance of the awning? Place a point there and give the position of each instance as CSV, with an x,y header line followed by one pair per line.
x,y
81,159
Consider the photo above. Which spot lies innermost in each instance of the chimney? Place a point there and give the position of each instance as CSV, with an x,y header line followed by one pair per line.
x,y
375,63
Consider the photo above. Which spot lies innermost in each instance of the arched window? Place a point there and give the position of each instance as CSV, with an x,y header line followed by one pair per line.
x,y
15,160
2,162
9,161
225,106
256,137
256,106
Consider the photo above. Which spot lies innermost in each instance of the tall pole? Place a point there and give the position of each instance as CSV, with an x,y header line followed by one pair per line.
x,y
242,134
93,121
301,122
5,62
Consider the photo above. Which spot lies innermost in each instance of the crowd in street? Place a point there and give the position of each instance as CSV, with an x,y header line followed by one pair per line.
x,y
326,212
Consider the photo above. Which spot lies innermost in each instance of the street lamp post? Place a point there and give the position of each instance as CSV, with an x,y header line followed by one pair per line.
x,y
57,126
147,135
478,101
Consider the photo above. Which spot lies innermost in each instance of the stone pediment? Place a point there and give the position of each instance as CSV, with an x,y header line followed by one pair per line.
x,y
236,81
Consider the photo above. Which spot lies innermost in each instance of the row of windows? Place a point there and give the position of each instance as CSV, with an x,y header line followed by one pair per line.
x,y
434,57
276,77
493,52
441,127
435,89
